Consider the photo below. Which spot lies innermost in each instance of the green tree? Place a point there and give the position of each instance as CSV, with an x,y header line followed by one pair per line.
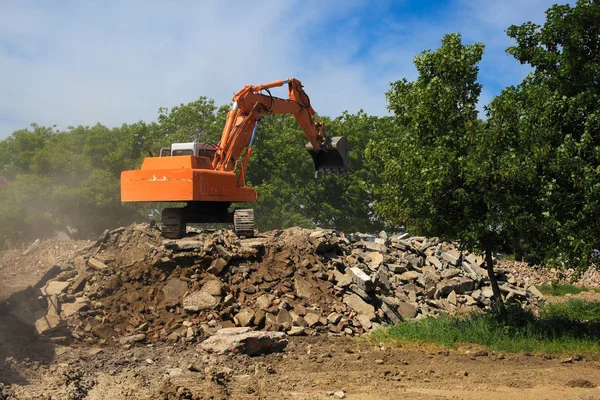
x,y
200,121
434,180
556,112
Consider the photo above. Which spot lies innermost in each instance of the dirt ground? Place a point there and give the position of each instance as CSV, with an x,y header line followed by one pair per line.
x,y
310,368
313,367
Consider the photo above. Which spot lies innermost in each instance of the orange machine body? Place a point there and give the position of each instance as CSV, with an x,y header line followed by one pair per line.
x,y
182,179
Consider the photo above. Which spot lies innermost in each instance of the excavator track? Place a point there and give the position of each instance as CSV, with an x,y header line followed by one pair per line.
x,y
243,222
173,223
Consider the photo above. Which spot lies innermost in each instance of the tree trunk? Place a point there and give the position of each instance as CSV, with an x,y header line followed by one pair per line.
x,y
499,305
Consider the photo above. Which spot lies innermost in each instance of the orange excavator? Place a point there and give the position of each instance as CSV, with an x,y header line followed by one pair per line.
x,y
210,177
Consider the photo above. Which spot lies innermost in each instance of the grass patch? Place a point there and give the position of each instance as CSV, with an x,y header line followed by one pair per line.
x,y
560,290
573,310
565,328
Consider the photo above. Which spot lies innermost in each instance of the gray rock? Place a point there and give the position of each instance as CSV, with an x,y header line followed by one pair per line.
x,y
391,313
382,279
428,280
334,318
373,246
345,281
414,261
296,331
397,268
217,266
409,276
364,321
360,306
244,317
184,244
265,301
361,279
49,323
452,256
435,262
457,284
363,295
53,288
133,338
535,292
284,317
450,272
312,319
69,309
97,264
407,310
214,287
376,259
175,288
199,301
304,289
452,298
242,341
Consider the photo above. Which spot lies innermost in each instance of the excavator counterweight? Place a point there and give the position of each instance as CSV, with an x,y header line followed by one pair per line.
x,y
204,175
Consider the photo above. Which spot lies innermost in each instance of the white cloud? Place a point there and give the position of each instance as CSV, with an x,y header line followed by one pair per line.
x,y
114,62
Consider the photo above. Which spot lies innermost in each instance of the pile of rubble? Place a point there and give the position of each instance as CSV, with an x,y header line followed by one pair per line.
x,y
132,285
540,275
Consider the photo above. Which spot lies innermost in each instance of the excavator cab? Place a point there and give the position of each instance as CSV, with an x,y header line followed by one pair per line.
x,y
333,156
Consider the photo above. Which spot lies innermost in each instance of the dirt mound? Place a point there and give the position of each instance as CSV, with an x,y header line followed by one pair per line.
x,y
22,268
132,285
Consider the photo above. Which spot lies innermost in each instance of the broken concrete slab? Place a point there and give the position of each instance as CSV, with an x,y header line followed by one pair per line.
x,y
175,288
53,288
361,279
250,343
360,306
97,264
199,301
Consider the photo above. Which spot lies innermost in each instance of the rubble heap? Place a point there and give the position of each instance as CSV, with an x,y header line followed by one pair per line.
x,y
132,285
540,275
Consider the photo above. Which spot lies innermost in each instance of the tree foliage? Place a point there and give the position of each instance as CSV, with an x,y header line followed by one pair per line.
x,y
69,180
555,112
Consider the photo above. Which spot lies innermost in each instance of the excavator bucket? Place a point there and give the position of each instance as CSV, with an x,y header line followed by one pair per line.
x,y
332,158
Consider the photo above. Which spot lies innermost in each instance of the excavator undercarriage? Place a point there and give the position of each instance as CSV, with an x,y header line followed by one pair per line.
x,y
174,220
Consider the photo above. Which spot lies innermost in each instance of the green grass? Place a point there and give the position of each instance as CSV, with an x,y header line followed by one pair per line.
x,y
560,290
572,327
573,310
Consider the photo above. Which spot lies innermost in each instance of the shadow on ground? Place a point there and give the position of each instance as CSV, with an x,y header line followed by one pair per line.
x,y
21,348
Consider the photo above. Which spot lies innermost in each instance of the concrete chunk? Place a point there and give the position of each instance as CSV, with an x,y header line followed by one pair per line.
x,y
54,288
452,256
250,343
361,279
175,288
360,306
97,264
199,301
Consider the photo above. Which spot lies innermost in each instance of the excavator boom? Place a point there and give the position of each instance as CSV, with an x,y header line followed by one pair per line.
x,y
249,104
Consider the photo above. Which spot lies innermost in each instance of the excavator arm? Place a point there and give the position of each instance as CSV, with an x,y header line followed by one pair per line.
x,y
250,103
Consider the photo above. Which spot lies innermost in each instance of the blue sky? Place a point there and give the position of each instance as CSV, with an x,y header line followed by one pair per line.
x,y
73,62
